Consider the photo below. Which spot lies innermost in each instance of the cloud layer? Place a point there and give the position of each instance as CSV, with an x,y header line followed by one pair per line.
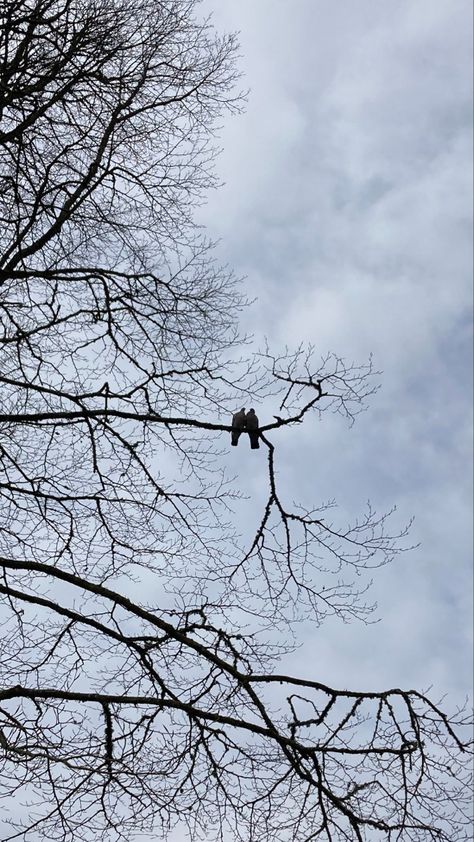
x,y
347,205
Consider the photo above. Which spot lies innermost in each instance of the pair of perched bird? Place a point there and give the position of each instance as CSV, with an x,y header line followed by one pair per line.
x,y
245,422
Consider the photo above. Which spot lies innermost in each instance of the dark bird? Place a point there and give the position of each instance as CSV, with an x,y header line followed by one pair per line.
x,y
251,423
238,425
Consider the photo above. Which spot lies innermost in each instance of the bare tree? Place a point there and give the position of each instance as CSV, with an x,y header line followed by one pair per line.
x,y
139,676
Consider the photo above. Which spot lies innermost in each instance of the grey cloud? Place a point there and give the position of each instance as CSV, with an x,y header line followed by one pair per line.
x,y
348,206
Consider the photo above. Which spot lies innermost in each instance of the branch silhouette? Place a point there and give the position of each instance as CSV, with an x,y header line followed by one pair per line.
x,y
141,688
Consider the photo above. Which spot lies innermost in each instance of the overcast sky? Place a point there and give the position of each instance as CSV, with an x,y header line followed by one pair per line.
x,y
347,206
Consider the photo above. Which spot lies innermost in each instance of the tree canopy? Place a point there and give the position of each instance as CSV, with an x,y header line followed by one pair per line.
x,y
140,686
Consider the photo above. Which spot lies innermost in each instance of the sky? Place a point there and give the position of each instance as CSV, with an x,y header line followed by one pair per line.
x,y
346,204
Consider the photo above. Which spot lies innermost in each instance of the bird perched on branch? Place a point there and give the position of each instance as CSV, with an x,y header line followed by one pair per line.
x,y
251,424
238,425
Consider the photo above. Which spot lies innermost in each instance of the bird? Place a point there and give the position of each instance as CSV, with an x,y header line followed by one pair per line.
x,y
251,423
238,424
